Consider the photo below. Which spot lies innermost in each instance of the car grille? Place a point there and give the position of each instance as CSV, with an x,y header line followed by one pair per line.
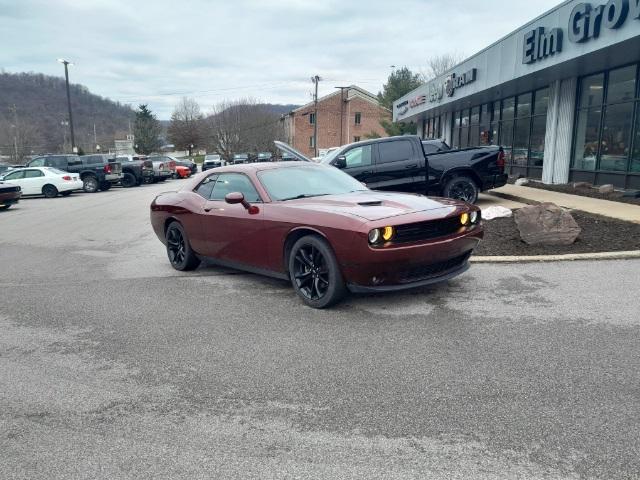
x,y
425,272
413,232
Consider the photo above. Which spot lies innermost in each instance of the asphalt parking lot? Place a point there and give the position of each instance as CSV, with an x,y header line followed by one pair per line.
x,y
113,365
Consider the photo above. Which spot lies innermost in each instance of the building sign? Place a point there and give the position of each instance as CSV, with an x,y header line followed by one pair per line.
x,y
456,81
403,107
585,23
436,92
419,100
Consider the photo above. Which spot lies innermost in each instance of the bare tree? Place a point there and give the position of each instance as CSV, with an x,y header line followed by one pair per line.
x,y
186,128
439,64
242,126
18,139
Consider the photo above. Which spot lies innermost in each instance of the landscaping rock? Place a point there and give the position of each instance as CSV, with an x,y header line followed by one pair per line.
x,y
546,224
496,211
577,185
521,181
605,188
631,194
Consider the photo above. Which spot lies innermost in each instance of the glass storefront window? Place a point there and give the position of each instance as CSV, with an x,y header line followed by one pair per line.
x,y
587,137
465,118
541,102
464,137
496,112
521,141
538,131
616,137
622,85
592,90
475,115
508,108
635,156
506,138
474,136
524,105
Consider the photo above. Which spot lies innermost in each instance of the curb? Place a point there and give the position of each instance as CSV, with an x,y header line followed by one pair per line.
x,y
513,198
556,258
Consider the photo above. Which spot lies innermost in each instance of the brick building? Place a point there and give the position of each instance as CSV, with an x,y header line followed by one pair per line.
x,y
345,116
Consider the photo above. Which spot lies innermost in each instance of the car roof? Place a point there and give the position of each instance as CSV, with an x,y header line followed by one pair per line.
x,y
258,167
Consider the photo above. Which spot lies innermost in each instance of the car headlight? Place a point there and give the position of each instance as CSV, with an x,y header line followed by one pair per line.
x,y
374,236
474,217
464,218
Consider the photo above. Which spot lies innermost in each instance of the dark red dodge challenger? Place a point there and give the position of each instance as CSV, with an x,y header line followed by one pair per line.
x,y
317,227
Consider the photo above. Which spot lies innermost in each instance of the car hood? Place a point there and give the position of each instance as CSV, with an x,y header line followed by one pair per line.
x,y
373,206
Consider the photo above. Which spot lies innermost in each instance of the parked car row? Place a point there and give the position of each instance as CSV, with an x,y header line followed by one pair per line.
x,y
215,160
51,175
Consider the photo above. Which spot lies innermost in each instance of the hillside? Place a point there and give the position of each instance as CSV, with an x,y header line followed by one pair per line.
x,y
40,101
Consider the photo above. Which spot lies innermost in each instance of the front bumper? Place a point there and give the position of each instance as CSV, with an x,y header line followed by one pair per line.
x,y
162,174
10,198
412,265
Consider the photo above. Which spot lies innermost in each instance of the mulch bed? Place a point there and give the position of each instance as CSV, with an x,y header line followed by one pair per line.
x,y
599,234
585,192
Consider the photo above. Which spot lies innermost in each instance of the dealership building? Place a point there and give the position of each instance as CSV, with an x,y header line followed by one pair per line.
x,y
560,94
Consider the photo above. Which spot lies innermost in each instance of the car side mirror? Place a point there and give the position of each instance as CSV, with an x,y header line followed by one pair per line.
x,y
237,197
341,162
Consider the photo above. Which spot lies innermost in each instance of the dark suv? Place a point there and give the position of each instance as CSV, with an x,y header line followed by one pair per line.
x,y
98,172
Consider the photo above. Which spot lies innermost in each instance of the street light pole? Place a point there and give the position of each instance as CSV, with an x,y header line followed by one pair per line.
x,y
66,76
315,79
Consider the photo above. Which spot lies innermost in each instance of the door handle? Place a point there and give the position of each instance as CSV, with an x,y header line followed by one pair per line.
x,y
411,166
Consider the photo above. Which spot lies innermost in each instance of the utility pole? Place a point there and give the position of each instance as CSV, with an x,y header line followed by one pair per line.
x,y
342,89
66,76
14,110
315,79
95,137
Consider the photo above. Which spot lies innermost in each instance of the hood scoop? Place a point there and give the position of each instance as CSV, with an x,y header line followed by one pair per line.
x,y
373,203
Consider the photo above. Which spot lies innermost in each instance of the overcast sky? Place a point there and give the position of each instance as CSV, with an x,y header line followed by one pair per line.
x,y
154,51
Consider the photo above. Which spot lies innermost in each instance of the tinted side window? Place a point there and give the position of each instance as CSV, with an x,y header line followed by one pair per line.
x,y
205,188
396,151
235,182
358,157
14,176
37,162
33,174
57,162
74,161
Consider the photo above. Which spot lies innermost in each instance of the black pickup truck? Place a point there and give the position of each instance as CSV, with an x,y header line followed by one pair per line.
x,y
98,172
400,164
136,170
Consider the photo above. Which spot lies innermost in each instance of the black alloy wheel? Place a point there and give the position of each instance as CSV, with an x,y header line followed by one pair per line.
x,y
90,184
49,191
462,188
180,254
315,273
128,180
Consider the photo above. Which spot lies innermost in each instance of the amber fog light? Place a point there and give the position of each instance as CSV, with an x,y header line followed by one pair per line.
x,y
464,218
374,236
473,216
387,233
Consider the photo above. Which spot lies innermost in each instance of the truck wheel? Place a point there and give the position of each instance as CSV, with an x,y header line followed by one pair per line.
x,y
90,184
128,180
461,188
104,186
49,191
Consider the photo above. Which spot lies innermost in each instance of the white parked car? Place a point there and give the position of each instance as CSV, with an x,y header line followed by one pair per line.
x,y
47,181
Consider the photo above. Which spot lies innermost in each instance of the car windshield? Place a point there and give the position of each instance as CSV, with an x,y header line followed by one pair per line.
x,y
301,182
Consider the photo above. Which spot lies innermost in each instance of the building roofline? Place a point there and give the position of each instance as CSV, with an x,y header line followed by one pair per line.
x,y
357,92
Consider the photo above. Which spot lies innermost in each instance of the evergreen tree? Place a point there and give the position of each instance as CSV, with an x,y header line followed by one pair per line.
x,y
146,131
399,83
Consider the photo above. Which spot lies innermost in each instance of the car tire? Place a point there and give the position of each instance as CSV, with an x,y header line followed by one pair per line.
x,y
66,194
90,184
315,273
104,186
128,180
181,255
461,188
49,191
